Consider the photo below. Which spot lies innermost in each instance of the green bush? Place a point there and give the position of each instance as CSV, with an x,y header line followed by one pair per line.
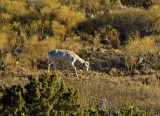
x,y
92,111
130,111
12,101
44,95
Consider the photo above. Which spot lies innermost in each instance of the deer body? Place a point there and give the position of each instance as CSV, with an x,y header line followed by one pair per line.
x,y
67,56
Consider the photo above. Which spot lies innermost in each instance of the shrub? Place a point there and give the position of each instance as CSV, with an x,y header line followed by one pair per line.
x,y
90,6
108,36
141,52
130,20
92,111
48,7
44,95
58,29
37,51
138,3
12,101
130,111
69,17
17,8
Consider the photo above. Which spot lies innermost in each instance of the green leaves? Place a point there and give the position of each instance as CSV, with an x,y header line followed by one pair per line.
x,y
44,95
12,101
130,111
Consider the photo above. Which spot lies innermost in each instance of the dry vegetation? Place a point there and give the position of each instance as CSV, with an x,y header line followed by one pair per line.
x,y
141,91
121,37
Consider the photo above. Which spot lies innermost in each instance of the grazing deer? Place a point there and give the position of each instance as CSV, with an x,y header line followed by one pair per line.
x,y
67,56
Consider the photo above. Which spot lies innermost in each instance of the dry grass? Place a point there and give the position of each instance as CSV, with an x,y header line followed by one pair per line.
x,y
117,90
13,81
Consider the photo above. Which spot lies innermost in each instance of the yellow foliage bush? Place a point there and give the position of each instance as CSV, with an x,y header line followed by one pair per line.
x,y
145,47
3,40
58,29
69,17
90,6
72,43
17,8
154,12
108,36
6,28
37,50
141,46
9,59
49,6
4,4
126,21
5,17
34,26
14,41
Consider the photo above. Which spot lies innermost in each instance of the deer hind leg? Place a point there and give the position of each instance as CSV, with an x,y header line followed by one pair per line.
x,y
68,70
54,66
72,65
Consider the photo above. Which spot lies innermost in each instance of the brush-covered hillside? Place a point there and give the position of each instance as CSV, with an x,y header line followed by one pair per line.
x,y
121,38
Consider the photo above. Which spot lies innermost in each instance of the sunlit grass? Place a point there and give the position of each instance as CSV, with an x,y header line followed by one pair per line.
x,y
117,90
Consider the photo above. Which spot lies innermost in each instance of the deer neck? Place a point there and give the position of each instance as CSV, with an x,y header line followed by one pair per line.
x,y
80,61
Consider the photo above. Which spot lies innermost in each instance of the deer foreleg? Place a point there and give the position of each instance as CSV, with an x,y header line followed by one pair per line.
x,y
72,65
49,64
49,67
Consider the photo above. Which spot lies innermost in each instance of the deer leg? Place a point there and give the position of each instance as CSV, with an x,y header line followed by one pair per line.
x,y
72,65
50,61
49,64
68,69
54,66
49,67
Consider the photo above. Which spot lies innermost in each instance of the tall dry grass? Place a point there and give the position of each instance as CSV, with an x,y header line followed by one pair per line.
x,y
141,91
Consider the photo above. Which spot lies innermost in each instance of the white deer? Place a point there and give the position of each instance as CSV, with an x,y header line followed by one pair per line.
x,y
67,56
